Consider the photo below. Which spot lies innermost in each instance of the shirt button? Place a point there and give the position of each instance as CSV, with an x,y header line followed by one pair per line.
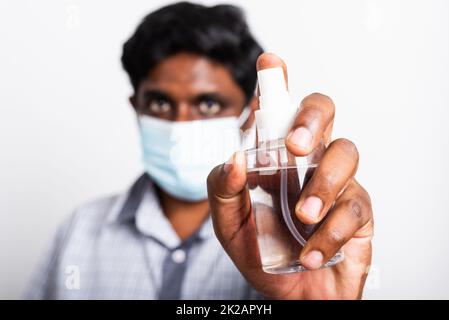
x,y
178,256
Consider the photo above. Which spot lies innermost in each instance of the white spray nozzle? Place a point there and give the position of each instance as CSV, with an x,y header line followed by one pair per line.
x,y
276,109
271,81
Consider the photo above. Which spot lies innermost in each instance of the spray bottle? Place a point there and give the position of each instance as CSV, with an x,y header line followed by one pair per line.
x,y
276,178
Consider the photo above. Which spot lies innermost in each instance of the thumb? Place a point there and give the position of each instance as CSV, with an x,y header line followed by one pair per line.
x,y
231,212
228,197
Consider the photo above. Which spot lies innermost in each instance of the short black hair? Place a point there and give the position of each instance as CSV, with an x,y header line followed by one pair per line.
x,y
219,33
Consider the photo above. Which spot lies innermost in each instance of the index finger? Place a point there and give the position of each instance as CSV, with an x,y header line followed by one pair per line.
x,y
313,124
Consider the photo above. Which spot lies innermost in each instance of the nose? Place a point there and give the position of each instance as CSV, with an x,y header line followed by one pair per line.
x,y
183,112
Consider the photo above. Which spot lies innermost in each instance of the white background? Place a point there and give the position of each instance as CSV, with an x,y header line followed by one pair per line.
x,y
67,133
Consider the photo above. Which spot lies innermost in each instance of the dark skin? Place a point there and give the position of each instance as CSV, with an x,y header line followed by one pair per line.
x,y
186,78
188,87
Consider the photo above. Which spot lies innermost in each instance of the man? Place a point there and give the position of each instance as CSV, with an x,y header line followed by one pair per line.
x,y
192,65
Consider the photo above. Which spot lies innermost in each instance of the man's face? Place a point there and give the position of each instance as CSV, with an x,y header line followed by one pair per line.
x,y
188,87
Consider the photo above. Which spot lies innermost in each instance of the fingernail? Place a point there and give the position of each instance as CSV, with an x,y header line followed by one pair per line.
x,y
311,207
239,158
302,137
313,259
227,166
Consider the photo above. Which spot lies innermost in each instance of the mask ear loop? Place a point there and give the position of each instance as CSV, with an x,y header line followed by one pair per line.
x,y
248,137
244,115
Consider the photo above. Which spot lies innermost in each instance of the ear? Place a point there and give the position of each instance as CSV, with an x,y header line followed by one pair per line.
x,y
254,103
133,101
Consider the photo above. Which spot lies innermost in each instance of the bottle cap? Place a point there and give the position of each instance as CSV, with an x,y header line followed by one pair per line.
x,y
276,110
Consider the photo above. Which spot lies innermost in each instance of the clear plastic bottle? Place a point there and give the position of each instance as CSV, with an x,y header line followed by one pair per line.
x,y
276,178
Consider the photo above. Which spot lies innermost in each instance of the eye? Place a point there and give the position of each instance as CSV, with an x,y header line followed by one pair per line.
x,y
159,106
209,107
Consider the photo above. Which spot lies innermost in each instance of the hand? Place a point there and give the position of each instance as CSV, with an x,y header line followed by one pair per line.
x,y
349,222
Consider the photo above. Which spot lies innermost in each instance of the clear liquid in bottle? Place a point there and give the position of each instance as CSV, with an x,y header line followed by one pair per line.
x,y
279,248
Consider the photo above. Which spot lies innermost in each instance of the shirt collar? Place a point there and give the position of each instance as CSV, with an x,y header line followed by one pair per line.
x,y
140,204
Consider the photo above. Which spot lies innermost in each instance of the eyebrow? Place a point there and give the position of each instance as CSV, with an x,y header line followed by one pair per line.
x,y
156,95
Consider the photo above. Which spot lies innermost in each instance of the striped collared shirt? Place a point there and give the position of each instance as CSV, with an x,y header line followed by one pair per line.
x,y
123,247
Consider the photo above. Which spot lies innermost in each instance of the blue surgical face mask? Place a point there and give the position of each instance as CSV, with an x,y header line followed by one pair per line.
x,y
178,156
